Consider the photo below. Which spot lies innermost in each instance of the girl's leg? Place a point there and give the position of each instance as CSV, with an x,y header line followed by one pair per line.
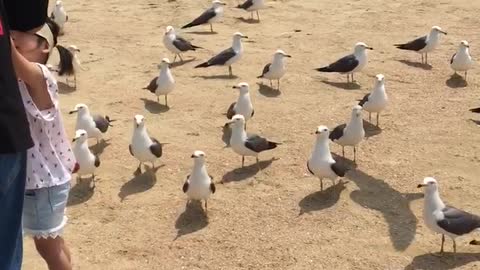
x,y
54,252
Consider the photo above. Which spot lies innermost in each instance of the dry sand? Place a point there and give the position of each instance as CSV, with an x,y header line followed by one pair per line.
x,y
282,221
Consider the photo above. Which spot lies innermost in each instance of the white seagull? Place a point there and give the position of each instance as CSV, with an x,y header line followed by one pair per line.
x,y
350,134
444,219
276,69
351,63
247,144
94,125
377,100
229,56
199,184
424,45
59,16
177,44
164,83
321,163
244,105
87,162
461,60
251,6
209,16
143,147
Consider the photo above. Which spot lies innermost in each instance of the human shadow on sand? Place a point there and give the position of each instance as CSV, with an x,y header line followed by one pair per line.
x,y
456,81
192,219
246,172
343,85
322,199
219,77
416,64
247,20
446,261
371,129
64,88
155,107
99,147
266,90
81,192
141,182
181,63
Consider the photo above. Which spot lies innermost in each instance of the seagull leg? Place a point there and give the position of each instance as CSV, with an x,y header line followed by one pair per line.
x,y
353,80
443,241
74,80
343,151
206,206
348,78
378,117
93,181
369,116
166,101
278,82
465,76
271,85
321,184
258,16
211,28
426,58
454,247
153,164
243,161
422,59
251,15
354,154
181,59
230,71
258,165
158,99
174,58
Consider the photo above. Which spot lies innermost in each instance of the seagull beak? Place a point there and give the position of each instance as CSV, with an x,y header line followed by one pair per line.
x,y
234,87
72,112
193,156
288,55
443,32
370,48
421,185
244,37
74,139
78,50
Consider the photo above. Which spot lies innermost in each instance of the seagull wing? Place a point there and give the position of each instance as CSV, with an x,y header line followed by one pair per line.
x,y
206,16
156,148
414,45
364,100
344,64
183,45
222,57
258,144
337,132
101,123
451,59
231,110
339,169
265,70
458,222
152,86
247,4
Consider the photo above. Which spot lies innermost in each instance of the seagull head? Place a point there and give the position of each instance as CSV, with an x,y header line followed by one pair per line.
x,y
243,87
164,63
80,109
169,30
437,30
379,79
198,156
217,3
238,36
357,111
322,132
281,54
237,121
58,3
360,47
80,136
139,121
429,184
73,49
464,44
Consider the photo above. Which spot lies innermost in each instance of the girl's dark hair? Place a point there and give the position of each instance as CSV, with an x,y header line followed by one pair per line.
x,y
54,28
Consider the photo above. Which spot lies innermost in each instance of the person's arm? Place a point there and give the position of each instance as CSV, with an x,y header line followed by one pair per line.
x,y
33,77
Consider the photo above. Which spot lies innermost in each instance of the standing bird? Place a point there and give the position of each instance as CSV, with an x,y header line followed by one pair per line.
x,y
229,56
87,162
350,134
163,84
251,6
461,60
276,69
59,16
243,106
444,219
377,100
69,63
199,184
351,63
94,125
211,15
247,145
321,163
143,147
177,44
424,45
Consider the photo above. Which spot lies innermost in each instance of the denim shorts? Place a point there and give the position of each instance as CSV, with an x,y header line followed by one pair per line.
x,y
44,211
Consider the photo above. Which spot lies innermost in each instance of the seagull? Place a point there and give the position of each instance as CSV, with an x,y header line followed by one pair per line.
x,y
211,15
377,100
251,6
276,69
163,84
177,44
69,63
424,45
350,134
243,106
461,60
229,56
444,219
321,163
199,184
351,63
87,162
143,147
94,125
59,16
247,144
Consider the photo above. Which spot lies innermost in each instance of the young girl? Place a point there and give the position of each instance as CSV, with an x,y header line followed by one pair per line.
x,y
50,162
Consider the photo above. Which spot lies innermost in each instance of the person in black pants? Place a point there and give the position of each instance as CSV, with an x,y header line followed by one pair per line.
x,y
14,129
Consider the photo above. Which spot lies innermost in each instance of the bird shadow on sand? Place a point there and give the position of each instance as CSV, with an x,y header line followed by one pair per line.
x,y
81,192
377,195
181,63
371,129
268,91
446,261
226,134
154,107
456,81
246,172
416,64
202,32
64,88
249,20
219,77
322,199
140,182
191,220
343,85
98,148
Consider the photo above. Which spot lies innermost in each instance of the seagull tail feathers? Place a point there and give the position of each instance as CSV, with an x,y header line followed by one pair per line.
x,y
65,66
402,46
109,120
259,77
324,69
188,25
196,47
272,145
203,65
475,110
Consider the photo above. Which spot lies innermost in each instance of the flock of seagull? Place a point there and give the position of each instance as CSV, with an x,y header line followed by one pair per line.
x,y
199,185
